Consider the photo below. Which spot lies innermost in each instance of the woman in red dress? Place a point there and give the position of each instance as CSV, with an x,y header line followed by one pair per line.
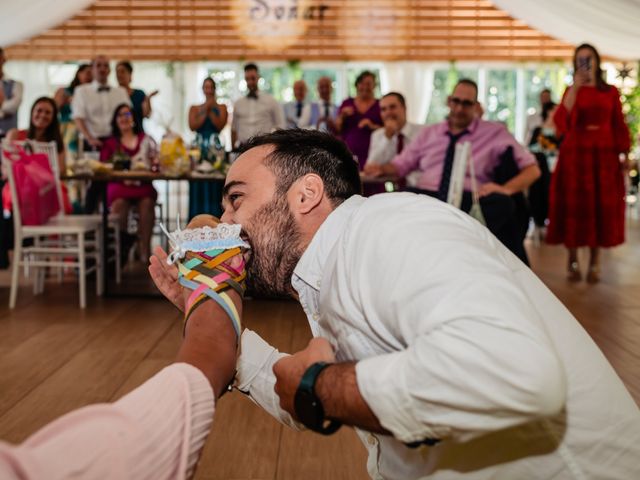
x,y
587,205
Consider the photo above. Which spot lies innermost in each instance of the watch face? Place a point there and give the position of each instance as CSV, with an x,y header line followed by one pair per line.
x,y
308,410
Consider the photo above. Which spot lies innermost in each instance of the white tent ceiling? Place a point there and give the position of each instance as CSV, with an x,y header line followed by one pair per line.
x,y
611,26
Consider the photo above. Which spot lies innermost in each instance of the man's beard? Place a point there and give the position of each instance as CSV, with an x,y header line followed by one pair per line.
x,y
274,238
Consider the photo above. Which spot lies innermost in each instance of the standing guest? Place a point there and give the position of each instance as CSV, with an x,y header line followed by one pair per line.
x,y
93,104
543,144
432,154
92,108
536,119
587,187
358,117
141,103
396,134
63,98
207,120
297,113
324,111
256,113
10,99
128,141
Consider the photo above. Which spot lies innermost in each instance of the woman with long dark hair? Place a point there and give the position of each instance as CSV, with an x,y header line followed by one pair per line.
x,y
43,127
130,145
63,99
587,206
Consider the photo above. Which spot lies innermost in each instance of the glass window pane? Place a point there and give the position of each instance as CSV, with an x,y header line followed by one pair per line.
x,y
501,97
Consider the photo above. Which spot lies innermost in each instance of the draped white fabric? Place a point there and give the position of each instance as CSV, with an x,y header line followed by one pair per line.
x,y
611,26
415,81
20,20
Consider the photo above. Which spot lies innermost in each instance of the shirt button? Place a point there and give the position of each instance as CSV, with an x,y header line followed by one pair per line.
x,y
316,316
371,440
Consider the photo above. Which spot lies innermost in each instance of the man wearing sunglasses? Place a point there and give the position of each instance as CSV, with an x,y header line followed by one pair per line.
x,y
492,147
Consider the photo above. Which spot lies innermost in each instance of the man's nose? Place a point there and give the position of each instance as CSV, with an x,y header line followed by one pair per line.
x,y
226,218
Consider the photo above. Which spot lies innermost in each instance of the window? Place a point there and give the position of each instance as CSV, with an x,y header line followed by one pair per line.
x,y
501,97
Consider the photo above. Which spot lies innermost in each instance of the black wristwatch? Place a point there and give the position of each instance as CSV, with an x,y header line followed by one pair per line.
x,y
308,406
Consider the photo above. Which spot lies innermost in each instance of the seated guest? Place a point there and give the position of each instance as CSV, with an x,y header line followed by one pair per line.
x,y
323,112
358,117
297,113
432,153
396,133
63,99
43,127
129,145
207,120
140,102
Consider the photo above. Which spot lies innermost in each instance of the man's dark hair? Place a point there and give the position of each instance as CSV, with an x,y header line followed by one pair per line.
x,y
399,96
297,152
545,90
126,64
469,82
251,66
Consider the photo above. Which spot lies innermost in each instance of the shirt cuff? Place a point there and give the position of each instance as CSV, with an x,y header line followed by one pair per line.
x,y
389,396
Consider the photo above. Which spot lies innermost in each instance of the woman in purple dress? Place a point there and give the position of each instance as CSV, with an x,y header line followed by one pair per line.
x,y
358,117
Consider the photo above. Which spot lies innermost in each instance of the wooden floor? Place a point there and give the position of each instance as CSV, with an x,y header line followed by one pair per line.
x,y
54,358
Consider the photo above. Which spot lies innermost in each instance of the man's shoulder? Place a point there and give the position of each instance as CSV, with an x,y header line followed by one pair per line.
x,y
491,126
82,89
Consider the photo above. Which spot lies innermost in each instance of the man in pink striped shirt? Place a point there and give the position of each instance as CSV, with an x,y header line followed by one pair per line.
x,y
432,151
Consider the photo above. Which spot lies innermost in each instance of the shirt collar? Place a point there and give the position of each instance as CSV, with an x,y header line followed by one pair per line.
x,y
97,85
310,267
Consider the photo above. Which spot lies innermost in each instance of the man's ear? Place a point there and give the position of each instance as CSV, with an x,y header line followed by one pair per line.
x,y
307,193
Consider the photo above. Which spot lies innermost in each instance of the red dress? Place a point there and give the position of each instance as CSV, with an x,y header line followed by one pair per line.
x,y
587,196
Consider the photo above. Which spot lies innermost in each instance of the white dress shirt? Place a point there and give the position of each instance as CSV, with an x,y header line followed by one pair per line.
x,y
11,103
533,121
382,148
293,121
96,107
319,111
454,339
254,116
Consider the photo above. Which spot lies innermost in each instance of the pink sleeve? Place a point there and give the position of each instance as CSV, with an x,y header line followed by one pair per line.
x,y
409,159
155,432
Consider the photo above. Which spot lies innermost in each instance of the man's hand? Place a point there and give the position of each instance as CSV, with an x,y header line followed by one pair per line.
x,y
289,370
373,170
489,188
391,127
166,277
94,142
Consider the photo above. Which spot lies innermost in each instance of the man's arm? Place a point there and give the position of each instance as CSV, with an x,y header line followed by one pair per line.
x,y
10,105
82,126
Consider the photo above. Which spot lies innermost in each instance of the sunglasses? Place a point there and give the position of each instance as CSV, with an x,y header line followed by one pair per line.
x,y
125,114
465,103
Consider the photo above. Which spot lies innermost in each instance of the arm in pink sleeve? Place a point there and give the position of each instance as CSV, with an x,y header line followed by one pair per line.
x,y
409,160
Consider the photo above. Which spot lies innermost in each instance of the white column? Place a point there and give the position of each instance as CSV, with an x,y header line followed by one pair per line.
x,y
521,105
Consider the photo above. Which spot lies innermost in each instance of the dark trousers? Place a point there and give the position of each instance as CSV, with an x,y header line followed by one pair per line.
x,y
501,215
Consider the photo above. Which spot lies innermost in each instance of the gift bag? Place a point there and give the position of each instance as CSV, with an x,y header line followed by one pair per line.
x,y
35,186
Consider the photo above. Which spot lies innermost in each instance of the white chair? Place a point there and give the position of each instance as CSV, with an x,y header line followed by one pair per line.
x,y
87,243
51,149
